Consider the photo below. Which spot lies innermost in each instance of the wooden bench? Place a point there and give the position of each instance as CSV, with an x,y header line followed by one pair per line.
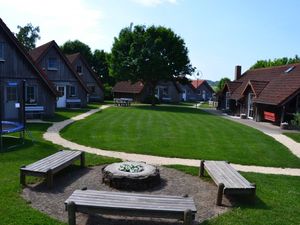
x,y
228,180
50,165
130,204
73,102
122,101
34,109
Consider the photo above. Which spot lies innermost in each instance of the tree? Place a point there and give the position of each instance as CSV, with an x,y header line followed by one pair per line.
x,y
101,66
275,62
71,47
28,35
222,83
149,55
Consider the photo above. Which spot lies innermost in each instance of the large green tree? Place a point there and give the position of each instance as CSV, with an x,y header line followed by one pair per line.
x,y
275,62
71,47
149,55
222,83
101,66
28,35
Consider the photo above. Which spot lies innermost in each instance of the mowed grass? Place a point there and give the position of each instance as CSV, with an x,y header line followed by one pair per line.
x,y
277,201
13,208
294,136
179,132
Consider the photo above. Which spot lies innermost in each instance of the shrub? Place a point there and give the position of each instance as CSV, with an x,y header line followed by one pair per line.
x,y
296,121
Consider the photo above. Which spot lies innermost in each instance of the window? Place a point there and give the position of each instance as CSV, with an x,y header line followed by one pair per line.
x,y
79,70
11,93
72,90
165,92
31,95
53,64
1,50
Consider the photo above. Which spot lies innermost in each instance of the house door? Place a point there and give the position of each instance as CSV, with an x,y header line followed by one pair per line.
x,y
61,102
12,106
250,106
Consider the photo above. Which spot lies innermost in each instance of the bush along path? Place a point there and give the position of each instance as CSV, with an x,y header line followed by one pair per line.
x,y
53,136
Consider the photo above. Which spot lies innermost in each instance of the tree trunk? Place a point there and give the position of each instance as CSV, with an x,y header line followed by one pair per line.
x,y
152,92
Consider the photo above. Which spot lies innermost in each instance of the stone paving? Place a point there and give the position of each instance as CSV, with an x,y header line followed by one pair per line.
x,y
53,136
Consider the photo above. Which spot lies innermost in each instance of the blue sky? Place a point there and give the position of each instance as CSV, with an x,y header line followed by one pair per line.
x,y
219,34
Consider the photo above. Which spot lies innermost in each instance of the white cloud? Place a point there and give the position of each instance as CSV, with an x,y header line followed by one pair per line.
x,y
153,3
59,20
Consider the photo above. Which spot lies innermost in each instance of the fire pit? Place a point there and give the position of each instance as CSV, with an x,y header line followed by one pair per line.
x,y
131,175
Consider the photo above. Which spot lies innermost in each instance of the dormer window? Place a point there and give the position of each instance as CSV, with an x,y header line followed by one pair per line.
x,y
79,70
1,51
53,64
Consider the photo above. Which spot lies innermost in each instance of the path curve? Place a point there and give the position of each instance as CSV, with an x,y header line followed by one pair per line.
x,y
52,135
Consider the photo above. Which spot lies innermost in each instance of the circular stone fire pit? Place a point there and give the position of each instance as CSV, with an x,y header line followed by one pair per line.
x,y
131,175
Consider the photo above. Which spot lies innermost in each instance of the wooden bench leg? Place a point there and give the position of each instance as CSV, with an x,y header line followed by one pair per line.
x,y
71,213
22,177
201,169
188,217
220,194
82,159
49,178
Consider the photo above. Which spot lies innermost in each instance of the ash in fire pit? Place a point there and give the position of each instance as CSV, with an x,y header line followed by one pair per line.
x,y
131,175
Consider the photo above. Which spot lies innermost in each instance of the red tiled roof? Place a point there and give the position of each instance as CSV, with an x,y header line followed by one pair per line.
x,y
128,87
197,83
39,71
72,58
40,51
271,85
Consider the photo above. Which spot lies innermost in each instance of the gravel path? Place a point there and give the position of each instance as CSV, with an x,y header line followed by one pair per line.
x,y
53,135
174,183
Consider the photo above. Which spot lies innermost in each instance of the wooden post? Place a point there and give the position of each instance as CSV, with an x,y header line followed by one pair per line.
x,y
71,213
82,159
188,217
22,176
201,171
220,194
49,178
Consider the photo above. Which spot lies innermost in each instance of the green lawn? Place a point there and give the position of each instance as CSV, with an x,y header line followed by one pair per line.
x,y
64,113
13,209
294,136
277,202
179,132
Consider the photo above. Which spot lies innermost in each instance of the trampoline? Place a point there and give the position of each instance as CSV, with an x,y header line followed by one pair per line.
x,y
12,111
11,127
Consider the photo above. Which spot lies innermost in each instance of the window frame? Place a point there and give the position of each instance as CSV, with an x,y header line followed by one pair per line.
x,y
79,72
72,88
2,58
28,102
55,66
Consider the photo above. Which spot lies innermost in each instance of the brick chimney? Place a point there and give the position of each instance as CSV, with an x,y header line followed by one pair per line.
x,y
238,72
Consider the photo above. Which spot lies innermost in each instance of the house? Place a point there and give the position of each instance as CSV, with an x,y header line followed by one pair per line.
x,y
16,65
87,74
73,91
203,91
165,91
265,94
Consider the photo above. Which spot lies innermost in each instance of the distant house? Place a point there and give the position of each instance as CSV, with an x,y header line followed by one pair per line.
x,y
90,78
16,65
203,91
73,91
164,91
266,94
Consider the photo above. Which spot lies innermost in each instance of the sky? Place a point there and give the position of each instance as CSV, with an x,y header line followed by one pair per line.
x,y
219,34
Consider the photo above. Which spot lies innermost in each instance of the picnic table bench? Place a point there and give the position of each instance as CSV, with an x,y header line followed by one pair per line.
x,y
228,180
50,165
130,204
34,110
123,101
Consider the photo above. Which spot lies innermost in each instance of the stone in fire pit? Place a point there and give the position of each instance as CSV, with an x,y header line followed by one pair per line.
x,y
131,175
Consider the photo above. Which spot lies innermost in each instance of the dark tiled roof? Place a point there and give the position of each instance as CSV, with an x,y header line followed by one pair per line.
x,y
72,58
31,61
40,51
128,87
271,85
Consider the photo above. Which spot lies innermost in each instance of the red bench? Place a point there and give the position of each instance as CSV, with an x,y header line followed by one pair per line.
x,y
269,116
